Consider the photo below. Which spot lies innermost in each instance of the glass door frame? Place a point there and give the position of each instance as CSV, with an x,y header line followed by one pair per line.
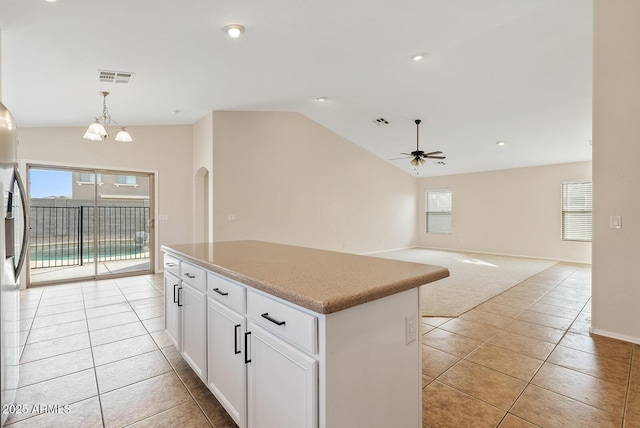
x,y
153,234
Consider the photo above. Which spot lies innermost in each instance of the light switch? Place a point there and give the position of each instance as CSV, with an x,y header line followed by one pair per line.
x,y
163,217
410,328
615,222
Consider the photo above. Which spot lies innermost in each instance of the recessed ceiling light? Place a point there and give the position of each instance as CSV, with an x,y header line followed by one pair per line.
x,y
234,30
51,1
321,99
500,143
417,57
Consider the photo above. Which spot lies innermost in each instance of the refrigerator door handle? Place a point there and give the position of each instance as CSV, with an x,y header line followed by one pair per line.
x,y
25,221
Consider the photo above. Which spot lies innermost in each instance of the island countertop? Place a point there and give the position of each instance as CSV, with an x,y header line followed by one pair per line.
x,y
319,280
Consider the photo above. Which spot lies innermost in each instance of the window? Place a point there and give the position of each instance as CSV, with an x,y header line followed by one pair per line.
x,y
576,211
126,180
438,207
88,177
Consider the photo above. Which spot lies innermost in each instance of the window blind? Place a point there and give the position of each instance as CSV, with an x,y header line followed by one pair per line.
x,y
438,211
577,209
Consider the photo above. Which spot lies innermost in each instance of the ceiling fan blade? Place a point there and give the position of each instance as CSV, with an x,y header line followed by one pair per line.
x,y
406,157
433,153
408,154
435,157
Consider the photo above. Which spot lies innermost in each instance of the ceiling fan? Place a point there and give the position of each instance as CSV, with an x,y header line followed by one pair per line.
x,y
418,156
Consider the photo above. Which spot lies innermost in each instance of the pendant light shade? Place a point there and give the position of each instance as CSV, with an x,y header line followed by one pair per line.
x,y
97,131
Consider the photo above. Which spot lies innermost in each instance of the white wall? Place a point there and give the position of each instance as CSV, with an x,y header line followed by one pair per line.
x,y
165,149
202,172
513,211
288,179
616,171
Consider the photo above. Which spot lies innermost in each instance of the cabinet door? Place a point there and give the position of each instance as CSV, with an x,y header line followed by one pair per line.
x,y
173,313
282,383
194,329
226,369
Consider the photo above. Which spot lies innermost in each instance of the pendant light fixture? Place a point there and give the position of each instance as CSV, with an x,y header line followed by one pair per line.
x,y
97,131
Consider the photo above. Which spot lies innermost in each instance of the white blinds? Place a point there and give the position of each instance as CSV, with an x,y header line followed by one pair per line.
x,y
438,211
577,211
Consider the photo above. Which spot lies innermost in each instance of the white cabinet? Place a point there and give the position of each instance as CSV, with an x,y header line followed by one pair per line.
x,y
173,310
225,356
282,383
194,329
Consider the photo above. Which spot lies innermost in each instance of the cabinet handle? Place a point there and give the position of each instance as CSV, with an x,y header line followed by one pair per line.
x,y
179,294
170,264
235,340
273,320
222,293
188,275
174,293
247,360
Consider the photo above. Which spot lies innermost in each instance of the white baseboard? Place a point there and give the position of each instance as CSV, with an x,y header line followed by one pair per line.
x,y
611,335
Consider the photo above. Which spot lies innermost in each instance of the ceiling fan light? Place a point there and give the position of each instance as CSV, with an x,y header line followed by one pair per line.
x,y
415,162
97,128
93,137
123,136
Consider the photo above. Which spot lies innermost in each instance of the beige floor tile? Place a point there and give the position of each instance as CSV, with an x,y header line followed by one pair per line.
x,y
436,362
425,328
450,343
50,348
443,406
60,309
481,332
599,345
498,309
483,383
545,319
100,293
522,344
514,302
122,349
85,414
508,362
62,391
196,387
116,333
151,396
187,415
111,320
426,380
104,301
57,331
554,310
161,338
131,370
143,294
215,412
60,300
435,321
580,327
562,303
587,389
536,331
479,317
147,303
610,370
154,324
148,313
53,367
115,308
511,421
49,320
632,412
548,409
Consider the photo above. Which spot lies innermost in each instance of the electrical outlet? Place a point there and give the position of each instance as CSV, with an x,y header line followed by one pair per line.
x,y
410,328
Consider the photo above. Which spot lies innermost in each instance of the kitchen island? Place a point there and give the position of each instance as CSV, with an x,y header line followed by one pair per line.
x,y
297,337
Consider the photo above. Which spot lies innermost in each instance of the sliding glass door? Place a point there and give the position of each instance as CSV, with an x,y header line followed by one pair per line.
x,y
89,223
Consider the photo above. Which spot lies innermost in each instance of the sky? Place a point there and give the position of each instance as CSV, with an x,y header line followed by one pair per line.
x,y
46,182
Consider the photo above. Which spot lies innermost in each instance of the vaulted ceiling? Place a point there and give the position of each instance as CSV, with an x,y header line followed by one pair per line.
x,y
517,71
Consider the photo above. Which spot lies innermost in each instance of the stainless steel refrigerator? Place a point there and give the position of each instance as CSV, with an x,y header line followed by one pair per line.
x,y
13,247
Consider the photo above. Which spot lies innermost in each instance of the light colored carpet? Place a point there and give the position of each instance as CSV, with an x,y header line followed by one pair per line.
x,y
474,277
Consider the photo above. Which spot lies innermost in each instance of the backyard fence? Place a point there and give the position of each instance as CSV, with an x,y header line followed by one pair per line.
x,y
70,236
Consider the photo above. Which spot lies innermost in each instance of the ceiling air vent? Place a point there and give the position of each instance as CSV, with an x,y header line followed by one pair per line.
x,y
381,121
115,76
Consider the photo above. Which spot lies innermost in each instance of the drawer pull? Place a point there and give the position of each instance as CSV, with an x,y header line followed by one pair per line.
x,y
179,294
235,339
222,293
174,293
170,264
247,360
273,320
188,275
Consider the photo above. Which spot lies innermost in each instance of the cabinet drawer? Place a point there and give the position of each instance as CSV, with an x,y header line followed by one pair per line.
x,y
226,292
171,265
286,321
194,276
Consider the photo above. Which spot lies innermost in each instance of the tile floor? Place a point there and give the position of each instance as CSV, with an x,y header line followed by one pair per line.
x,y
100,348
524,358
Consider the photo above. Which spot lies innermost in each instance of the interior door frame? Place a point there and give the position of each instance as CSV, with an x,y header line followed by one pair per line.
x,y
26,164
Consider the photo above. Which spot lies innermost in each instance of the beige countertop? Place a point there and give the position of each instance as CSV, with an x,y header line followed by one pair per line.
x,y
319,280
